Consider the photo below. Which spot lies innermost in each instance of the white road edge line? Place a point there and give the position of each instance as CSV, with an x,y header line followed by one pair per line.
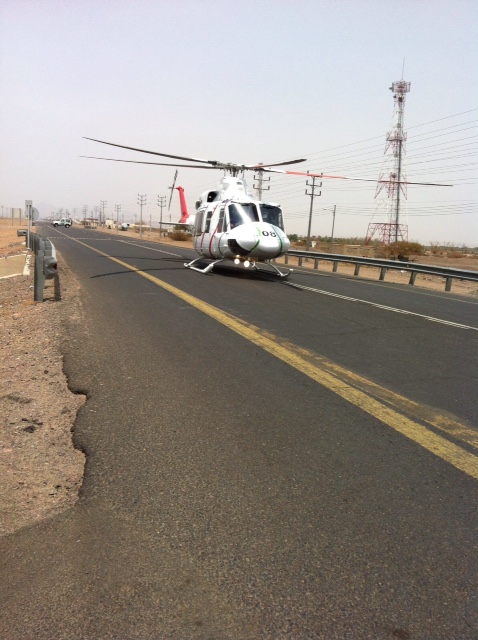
x,y
381,306
135,244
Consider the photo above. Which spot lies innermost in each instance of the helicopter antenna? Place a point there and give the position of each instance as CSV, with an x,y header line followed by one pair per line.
x,y
172,189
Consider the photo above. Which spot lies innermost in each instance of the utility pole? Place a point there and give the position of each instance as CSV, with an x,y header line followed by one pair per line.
x,y
141,202
333,225
260,183
102,217
117,209
85,211
161,203
312,195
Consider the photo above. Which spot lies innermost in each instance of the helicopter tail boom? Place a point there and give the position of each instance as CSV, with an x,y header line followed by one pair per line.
x,y
184,208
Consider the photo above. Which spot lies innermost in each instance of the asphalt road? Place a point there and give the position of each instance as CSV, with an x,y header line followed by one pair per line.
x,y
264,461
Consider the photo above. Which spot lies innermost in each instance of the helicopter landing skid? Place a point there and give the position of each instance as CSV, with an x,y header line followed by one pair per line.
x,y
209,268
190,265
278,271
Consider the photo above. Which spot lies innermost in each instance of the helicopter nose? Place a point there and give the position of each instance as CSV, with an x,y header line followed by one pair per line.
x,y
245,237
260,240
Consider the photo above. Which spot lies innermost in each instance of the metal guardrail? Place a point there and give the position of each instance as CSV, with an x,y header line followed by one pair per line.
x,y
46,265
385,265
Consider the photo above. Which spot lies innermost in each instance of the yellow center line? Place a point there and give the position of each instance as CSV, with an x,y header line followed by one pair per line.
x,y
342,382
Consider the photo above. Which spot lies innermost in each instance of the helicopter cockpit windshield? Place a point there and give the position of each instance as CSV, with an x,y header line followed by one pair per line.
x,y
272,215
240,213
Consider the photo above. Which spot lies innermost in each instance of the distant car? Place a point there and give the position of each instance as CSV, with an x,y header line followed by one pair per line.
x,y
124,226
63,222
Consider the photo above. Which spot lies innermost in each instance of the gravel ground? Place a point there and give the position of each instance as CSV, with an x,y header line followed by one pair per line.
x,y
41,472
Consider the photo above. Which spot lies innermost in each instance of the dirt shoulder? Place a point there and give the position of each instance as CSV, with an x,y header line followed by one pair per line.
x,y
41,471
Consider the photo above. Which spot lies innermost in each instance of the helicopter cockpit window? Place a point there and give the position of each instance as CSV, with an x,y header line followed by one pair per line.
x,y
211,196
272,215
242,213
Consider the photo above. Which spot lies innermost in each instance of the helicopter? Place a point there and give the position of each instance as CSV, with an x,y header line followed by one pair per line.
x,y
231,224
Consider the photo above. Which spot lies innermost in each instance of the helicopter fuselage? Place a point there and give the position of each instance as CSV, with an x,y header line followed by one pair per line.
x,y
230,224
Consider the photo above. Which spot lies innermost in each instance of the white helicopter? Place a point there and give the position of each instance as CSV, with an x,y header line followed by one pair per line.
x,y
230,224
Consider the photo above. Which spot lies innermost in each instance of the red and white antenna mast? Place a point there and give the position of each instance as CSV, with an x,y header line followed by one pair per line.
x,y
391,186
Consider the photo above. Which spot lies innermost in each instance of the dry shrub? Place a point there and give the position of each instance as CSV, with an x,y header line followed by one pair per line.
x,y
180,236
401,249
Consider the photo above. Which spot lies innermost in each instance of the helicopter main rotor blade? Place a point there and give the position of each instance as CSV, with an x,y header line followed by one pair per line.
x,y
154,153
322,175
215,163
262,165
162,164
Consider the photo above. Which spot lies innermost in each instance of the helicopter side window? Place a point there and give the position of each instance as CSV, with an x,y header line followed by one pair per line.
x,y
272,215
198,225
208,221
220,224
242,213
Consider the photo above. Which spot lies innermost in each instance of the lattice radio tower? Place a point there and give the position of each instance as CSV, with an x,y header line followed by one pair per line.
x,y
391,188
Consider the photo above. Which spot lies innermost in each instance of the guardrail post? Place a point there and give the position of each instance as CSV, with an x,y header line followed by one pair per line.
x,y
286,259
385,265
39,277
33,242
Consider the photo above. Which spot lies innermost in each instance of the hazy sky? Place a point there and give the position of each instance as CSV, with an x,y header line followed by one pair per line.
x,y
240,81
